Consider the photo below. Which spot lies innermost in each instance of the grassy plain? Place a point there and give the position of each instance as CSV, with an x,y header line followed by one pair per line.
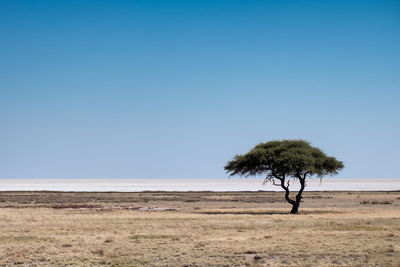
x,y
199,229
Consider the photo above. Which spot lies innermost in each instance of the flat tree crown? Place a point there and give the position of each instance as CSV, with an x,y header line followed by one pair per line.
x,y
295,158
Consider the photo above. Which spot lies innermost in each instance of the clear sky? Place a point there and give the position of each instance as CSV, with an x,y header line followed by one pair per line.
x,y
173,89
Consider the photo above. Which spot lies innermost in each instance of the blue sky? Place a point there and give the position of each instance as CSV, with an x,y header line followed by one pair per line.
x,y
173,89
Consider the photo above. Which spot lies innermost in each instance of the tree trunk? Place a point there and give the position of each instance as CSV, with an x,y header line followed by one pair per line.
x,y
295,208
296,204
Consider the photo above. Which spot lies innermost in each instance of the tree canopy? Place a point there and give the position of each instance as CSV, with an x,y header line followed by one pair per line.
x,y
284,159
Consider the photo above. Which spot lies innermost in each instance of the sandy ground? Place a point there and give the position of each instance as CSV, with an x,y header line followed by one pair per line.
x,y
199,229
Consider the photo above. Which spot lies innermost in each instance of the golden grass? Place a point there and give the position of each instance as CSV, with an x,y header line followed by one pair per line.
x,y
218,229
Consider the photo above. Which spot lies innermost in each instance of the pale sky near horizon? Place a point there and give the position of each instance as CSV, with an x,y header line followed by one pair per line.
x,y
174,89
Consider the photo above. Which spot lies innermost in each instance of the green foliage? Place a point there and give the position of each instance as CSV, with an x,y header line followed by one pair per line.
x,y
285,158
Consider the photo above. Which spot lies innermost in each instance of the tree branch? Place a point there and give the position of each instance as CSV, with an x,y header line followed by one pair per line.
x,y
271,178
273,182
302,186
287,192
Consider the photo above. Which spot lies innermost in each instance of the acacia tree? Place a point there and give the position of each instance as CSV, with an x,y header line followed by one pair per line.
x,y
282,161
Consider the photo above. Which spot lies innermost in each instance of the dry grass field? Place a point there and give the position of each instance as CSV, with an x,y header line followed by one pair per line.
x,y
199,229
